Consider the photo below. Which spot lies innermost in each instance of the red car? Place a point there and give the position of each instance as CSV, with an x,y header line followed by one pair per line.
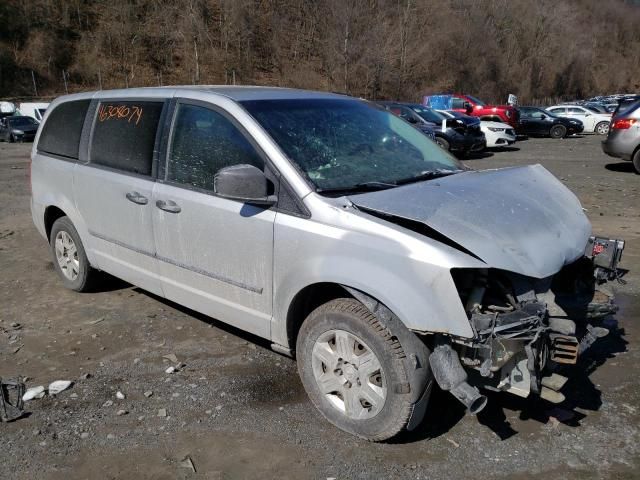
x,y
473,106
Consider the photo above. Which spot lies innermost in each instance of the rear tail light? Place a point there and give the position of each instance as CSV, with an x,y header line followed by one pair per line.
x,y
623,123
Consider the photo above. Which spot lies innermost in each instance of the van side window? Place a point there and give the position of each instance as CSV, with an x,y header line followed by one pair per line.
x,y
62,130
124,135
203,142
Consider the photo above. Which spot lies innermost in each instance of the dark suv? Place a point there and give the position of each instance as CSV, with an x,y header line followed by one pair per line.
x,y
456,135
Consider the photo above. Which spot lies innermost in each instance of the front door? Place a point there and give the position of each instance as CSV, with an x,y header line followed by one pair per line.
x,y
215,255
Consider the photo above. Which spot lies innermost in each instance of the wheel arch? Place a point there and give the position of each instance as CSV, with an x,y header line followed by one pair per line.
x,y
51,214
306,301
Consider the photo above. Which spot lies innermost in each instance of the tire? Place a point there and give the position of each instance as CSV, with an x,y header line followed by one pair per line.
x,y
602,128
328,345
443,143
636,161
558,131
12,139
69,257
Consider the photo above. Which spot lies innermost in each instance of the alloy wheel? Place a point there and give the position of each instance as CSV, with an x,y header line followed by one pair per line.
x,y
67,255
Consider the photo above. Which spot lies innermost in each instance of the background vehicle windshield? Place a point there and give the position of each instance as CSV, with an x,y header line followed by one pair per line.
x,y
342,143
428,114
21,122
477,101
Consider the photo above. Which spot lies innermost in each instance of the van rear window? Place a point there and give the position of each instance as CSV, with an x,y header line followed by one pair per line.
x,y
62,130
124,135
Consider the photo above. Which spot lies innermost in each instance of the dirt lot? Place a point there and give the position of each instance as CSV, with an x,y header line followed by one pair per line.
x,y
238,410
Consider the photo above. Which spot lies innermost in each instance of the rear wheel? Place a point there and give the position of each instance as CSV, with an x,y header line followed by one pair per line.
x,y
636,161
443,143
12,139
352,368
558,131
69,257
602,128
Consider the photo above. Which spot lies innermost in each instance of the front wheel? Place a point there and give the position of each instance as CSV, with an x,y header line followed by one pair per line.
x,y
602,128
69,257
12,139
443,143
558,131
352,369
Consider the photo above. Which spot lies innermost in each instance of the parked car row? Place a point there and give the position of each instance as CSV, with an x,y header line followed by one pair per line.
x,y
19,123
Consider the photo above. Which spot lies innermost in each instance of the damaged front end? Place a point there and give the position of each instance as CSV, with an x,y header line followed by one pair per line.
x,y
525,328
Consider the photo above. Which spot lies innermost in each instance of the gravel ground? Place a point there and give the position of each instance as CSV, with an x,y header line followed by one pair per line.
x,y
235,409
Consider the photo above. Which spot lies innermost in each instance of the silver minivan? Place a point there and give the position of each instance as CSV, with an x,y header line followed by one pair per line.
x,y
336,230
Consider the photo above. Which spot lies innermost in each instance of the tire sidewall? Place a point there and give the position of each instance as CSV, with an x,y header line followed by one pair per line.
x,y
636,161
397,405
598,125
558,128
443,143
80,282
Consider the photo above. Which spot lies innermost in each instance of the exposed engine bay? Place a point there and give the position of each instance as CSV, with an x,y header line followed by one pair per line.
x,y
525,328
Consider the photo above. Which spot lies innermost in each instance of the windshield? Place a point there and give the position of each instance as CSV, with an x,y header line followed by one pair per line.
x,y
22,122
428,114
347,143
477,101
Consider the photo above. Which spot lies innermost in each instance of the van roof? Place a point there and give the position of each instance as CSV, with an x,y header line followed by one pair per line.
x,y
234,92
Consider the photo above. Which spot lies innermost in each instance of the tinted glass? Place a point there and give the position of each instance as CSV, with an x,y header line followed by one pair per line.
x,y
61,132
428,114
343,143
22,122
203,142
477,101
457,103
124,135
526,112
624,108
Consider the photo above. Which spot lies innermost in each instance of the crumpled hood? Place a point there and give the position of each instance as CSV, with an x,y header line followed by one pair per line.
x,y
520,219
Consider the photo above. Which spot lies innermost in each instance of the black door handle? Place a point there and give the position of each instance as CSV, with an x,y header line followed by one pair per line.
x,y
135,197
168,206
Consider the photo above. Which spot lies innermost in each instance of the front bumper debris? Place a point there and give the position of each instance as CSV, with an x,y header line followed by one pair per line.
x,y
527,329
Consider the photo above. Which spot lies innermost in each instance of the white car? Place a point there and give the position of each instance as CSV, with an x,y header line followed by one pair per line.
x,y
593,122
498,134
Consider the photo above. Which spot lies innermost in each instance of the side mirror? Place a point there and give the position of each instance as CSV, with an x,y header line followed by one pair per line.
x,y
244,183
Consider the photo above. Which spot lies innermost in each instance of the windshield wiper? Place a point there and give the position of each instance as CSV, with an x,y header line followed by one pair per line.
x,y
359,187
427,175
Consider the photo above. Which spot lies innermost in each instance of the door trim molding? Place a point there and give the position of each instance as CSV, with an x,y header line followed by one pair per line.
x,y
191,268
